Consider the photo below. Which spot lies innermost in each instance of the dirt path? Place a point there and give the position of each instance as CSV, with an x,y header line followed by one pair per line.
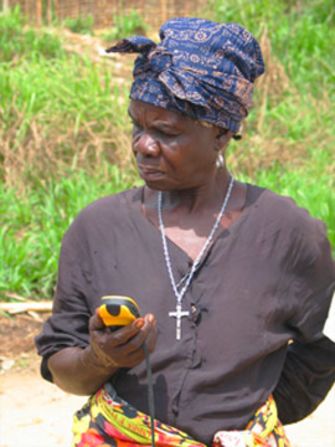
x,y
34,413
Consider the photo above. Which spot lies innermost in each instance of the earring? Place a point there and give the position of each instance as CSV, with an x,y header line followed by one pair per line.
x,y
238,135
220,161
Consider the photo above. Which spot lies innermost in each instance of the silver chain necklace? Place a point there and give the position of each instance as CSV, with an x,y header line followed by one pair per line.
x,y
179,313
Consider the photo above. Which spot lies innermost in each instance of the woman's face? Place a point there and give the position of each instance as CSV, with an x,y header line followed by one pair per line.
x,y
172,151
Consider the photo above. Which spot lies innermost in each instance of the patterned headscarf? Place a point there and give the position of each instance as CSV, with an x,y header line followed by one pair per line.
x,y
200,68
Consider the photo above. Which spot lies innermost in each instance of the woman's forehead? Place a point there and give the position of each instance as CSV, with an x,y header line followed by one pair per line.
x,y
149,113
145,111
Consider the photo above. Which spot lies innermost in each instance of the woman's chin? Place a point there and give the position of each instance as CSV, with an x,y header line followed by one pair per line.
x,y
156,181
157,185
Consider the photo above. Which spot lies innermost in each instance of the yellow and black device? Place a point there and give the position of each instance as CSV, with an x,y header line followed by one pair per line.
x,y
117,311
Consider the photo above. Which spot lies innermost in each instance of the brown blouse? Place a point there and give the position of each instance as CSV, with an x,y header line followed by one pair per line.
x,y
266,280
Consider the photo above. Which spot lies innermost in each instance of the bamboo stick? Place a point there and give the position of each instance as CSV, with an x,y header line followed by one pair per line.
x,y
163,10
35,306
5,5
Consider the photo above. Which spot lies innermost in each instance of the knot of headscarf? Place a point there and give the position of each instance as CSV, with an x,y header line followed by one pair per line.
x,y
200,68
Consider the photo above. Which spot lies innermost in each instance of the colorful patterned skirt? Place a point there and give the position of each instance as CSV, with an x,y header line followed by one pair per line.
x,y
106,420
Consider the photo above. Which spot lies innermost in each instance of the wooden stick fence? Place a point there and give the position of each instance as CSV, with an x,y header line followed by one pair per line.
x,y
154,12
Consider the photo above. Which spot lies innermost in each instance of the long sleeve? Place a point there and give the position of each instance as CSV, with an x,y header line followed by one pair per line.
x,y
309,368
308,375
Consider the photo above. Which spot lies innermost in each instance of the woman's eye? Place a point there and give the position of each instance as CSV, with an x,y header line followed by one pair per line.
x,y
167,133
158,132
136,127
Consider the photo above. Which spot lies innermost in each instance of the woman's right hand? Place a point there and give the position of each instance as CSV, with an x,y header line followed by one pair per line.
x,y
83,370
122,348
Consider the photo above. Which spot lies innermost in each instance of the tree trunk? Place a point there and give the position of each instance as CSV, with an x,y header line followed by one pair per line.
x,y
49,12
56,12
39,12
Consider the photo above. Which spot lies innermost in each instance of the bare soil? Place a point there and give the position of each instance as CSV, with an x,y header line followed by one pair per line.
x,y
34,413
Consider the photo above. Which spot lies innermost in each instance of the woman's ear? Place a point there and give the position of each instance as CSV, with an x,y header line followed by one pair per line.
x,y
223,137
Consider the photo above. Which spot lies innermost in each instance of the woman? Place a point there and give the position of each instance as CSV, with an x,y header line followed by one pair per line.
x,y
226,274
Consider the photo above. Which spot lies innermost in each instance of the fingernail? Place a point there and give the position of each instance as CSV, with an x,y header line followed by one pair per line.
x,y
139,323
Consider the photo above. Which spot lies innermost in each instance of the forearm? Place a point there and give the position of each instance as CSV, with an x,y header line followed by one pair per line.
x,y
77,371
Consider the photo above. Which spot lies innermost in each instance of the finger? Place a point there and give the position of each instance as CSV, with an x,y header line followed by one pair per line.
x,y
152,333
128,359
123,335
96,323
150,319
136,343
150,324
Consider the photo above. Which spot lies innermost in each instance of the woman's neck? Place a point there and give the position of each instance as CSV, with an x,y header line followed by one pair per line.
x,y
203,197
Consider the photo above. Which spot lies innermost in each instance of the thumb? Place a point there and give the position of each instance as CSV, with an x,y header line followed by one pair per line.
x,y
96,323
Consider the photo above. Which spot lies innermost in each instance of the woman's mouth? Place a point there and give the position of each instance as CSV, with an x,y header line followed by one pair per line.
x,y
149,171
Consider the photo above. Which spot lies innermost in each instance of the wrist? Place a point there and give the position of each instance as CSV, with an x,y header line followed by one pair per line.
x,y
94,358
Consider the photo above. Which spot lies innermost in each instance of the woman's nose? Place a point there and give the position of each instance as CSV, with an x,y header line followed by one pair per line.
x,y
145,145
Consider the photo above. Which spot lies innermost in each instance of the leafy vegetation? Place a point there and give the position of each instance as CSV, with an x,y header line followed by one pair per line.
x,y
17,42
289,144
33,226
65,134
80,25
301,34
126,25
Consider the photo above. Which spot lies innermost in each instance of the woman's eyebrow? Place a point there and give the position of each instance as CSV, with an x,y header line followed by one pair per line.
x,y
158,123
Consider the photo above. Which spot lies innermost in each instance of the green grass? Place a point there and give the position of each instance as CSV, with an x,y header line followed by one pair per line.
x,y
293,151
65,135
80,25
59,115
316,194
126,25
73,87
17,41
33,226
301,32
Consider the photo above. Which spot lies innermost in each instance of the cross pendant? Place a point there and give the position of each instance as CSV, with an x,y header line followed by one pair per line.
x,y
178,314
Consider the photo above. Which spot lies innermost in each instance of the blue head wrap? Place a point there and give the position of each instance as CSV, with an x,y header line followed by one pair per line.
x,y
200,68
